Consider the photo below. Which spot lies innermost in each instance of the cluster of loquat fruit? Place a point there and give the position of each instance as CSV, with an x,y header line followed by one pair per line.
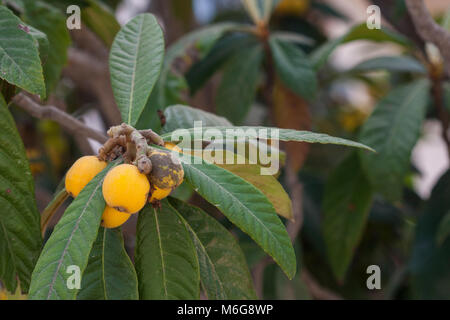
x,y
148,174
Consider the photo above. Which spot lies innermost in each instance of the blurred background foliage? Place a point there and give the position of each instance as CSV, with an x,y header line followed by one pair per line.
x,y
406,234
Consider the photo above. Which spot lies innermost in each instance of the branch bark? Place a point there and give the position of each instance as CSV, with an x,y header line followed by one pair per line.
x,y
68,122
429,30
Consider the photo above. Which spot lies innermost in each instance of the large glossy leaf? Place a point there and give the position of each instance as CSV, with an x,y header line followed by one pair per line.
x,y
393,130
110,274
391,64
20,237
183,117
70,243
348,197
135,63
267,184
430,261
294,68
53,23
240,80
19,57
171,86
223,269
101,20
266,132
359,32
245,206
166,260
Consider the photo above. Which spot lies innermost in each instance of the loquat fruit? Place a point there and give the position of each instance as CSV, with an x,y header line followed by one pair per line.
x,y
159,194
167,171
81,173
172,146
113,218
126,189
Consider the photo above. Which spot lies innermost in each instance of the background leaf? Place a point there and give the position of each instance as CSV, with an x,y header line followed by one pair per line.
x,y
245,206
135,63
20,236
166,260
110,274
240,79
346,205
70,243
393,130
223,269
293,68
19,57
101,21
393,64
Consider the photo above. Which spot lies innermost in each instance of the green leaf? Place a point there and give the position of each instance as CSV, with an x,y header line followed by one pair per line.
x,y
166,260
393,130
183,117
70,243
240,79
20,236
430,261
41,42
230,133
53,23
359,32
223,269
348,198
110,274
391,64
19,57
135,63
444,229
245,206
101,21
201,71
294,68
267,184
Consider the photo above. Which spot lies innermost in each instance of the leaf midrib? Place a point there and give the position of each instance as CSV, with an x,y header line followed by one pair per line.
x,y
163,265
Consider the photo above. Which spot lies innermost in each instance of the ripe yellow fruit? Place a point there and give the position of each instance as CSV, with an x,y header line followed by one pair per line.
x,y
167,171
292,7
126,189
173,147
82,172
159,194
3,295
113,218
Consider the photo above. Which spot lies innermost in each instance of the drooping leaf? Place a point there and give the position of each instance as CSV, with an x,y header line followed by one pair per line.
x,y
271,133
135,63
240,80
430,260
110,274
245,206
20,237
223,269
348,197
294,68
183,117
101,21
52,22
166,260
391,64
359,32
393,130
70,243
267,184
19,57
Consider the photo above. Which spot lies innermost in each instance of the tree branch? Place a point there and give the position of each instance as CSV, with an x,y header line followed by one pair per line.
x,y
429,30
70,123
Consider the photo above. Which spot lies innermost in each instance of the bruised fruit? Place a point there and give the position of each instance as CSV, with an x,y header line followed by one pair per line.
x,y
126,189
172,146
81,173
159,194
113,218
167,171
